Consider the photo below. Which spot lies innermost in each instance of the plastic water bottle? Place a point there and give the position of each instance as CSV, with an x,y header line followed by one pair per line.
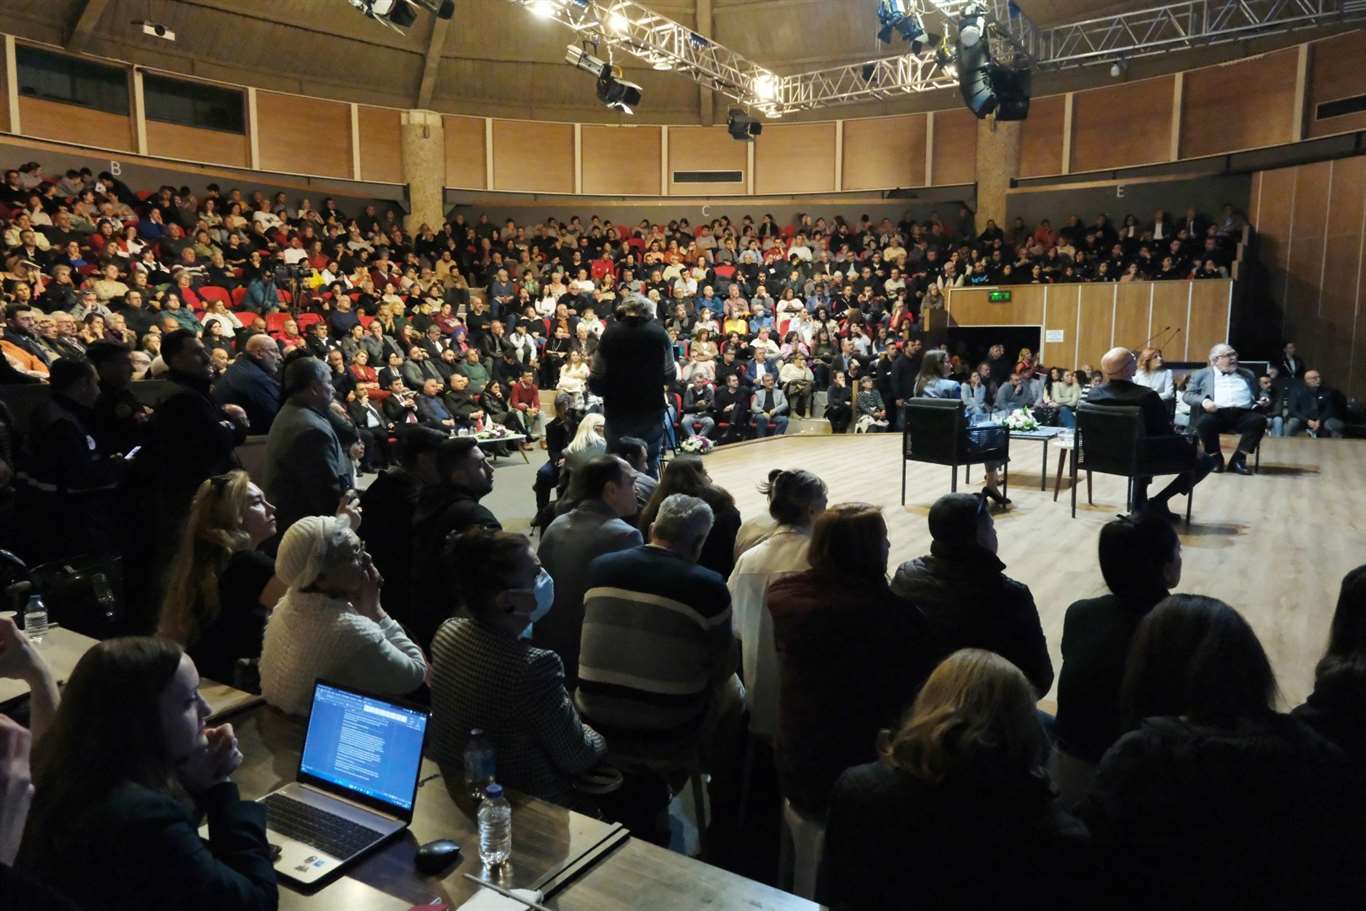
x,y
480,765
495,827
35,619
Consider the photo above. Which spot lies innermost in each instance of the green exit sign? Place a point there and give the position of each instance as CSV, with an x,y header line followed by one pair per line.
x,y
998,297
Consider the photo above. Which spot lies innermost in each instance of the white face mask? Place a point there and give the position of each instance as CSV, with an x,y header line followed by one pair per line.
x,y
544,593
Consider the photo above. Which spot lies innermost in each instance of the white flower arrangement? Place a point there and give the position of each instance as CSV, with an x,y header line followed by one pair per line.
x,y
697,445
494,431
1021,419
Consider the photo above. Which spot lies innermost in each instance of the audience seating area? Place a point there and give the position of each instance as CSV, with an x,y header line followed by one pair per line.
x,y
868,714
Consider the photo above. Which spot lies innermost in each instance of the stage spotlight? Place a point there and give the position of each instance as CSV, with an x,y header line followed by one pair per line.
x,y
742,126
972,27
613,91
618,94
543,8
766,86
617,23
1119,68
399,15
889,13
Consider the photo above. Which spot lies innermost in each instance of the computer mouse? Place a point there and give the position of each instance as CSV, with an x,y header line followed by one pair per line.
x,y
435,856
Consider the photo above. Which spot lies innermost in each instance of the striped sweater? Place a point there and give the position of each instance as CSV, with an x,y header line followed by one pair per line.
x,y
656,640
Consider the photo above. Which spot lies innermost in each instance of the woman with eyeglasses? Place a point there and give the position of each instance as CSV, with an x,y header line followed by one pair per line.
x,y
221,588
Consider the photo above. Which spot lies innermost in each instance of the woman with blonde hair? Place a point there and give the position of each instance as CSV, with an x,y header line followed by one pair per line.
x,y
961,794
588,443
1153,373
221,589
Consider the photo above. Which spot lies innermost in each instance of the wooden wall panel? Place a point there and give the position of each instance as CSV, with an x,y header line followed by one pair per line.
x,y
300,135
465,164
1122,125
1336,71
1209,316
955,148
1097,307
1304,272
1171,302
381,146
172,140
533,157
1133,308
1041,137
1333,335
1062,316
795,158
1246,104
970,307
882,153
621,161
73,123
706,149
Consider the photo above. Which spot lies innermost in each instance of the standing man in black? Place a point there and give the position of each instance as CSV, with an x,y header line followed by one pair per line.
x,y
633,364
387,508
120,420
69,486
904,370
1291,366
1119,366
193,437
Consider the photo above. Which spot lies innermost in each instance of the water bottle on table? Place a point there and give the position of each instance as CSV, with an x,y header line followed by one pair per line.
x,y
495,827
480,765
35,619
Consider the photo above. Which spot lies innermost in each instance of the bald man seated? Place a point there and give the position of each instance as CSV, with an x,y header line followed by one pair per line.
x,y
1118,366
253,382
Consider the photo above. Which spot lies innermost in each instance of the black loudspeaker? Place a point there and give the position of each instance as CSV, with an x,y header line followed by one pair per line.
x,y
1012,93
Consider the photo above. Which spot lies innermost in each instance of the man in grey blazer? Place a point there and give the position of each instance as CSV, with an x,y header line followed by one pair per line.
x,y
1224,398
306,468
768,406
595,526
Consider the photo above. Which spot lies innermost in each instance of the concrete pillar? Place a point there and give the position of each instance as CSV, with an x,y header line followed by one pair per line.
x,y
422,142
998,161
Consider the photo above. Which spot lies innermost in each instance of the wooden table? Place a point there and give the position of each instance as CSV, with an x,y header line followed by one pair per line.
x,y
545,838
61,648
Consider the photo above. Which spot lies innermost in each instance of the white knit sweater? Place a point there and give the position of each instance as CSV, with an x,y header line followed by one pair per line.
x,y
312,636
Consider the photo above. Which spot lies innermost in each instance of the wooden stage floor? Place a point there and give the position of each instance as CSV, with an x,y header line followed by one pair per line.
x,y
1275,545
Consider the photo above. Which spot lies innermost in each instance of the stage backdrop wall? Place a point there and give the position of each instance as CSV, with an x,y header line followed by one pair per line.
x,y
1081,322
1311,227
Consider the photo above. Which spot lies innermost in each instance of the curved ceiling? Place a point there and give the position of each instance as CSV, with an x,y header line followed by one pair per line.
x,y
496,58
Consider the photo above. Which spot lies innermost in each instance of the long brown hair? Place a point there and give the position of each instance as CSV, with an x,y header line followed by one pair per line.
x,y
213,533
847,543
976,705
931,369
107,732
685,474
1145,358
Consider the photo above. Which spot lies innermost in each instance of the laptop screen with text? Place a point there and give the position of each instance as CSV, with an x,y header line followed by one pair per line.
x,y
364,745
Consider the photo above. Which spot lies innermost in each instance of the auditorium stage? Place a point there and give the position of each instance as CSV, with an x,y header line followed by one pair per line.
x,y
1275,545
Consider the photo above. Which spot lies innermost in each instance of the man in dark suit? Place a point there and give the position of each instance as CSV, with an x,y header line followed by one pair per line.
x,y
1314,408
1291,367
252,382
1225,398
306,469
1119,365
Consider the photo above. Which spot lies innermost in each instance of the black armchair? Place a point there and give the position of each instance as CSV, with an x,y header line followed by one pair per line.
x,y
1111,440
937,431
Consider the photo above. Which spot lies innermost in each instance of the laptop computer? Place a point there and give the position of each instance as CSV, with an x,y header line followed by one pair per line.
x,y
356,784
